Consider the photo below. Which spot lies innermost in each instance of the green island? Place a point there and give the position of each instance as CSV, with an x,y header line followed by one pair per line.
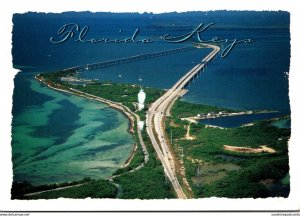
x,y
236,172
248,161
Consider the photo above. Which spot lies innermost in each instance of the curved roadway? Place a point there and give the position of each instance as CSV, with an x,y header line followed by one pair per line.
x,y
154,120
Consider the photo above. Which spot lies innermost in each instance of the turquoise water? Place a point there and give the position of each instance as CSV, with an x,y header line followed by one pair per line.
x,y
57,137
67,138
283,123
162,72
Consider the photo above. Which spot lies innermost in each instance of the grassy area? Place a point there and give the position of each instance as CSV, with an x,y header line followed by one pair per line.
x,y
147,183
124,93
21,188
210,169
249,181
93,189
213,171
211,140
117,92
184,109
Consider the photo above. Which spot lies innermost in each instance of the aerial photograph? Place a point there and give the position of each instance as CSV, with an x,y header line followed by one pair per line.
x,y
147,106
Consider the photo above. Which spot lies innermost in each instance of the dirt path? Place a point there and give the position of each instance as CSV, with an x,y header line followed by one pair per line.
x,y
187,135
261,149
55,189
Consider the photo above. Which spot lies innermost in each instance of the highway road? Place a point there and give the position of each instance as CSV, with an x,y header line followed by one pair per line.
x,y
155,116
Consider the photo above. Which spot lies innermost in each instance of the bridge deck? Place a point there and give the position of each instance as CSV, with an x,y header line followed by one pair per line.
x,y
139,57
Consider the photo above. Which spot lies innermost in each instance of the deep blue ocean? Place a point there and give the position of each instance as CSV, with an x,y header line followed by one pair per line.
x,y
52,130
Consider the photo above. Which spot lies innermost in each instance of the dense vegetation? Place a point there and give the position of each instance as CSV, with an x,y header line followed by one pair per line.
x,y
147,183
124,93
54,77
184,109
211,140
210,169
248,182
21,188
93,189
213,171
117,92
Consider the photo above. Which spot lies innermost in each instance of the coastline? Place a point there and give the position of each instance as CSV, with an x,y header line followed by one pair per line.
x,y
121,108
131,116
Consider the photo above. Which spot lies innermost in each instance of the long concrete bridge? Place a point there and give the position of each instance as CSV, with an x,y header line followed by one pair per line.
x,y
135,58
155,119
158,110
